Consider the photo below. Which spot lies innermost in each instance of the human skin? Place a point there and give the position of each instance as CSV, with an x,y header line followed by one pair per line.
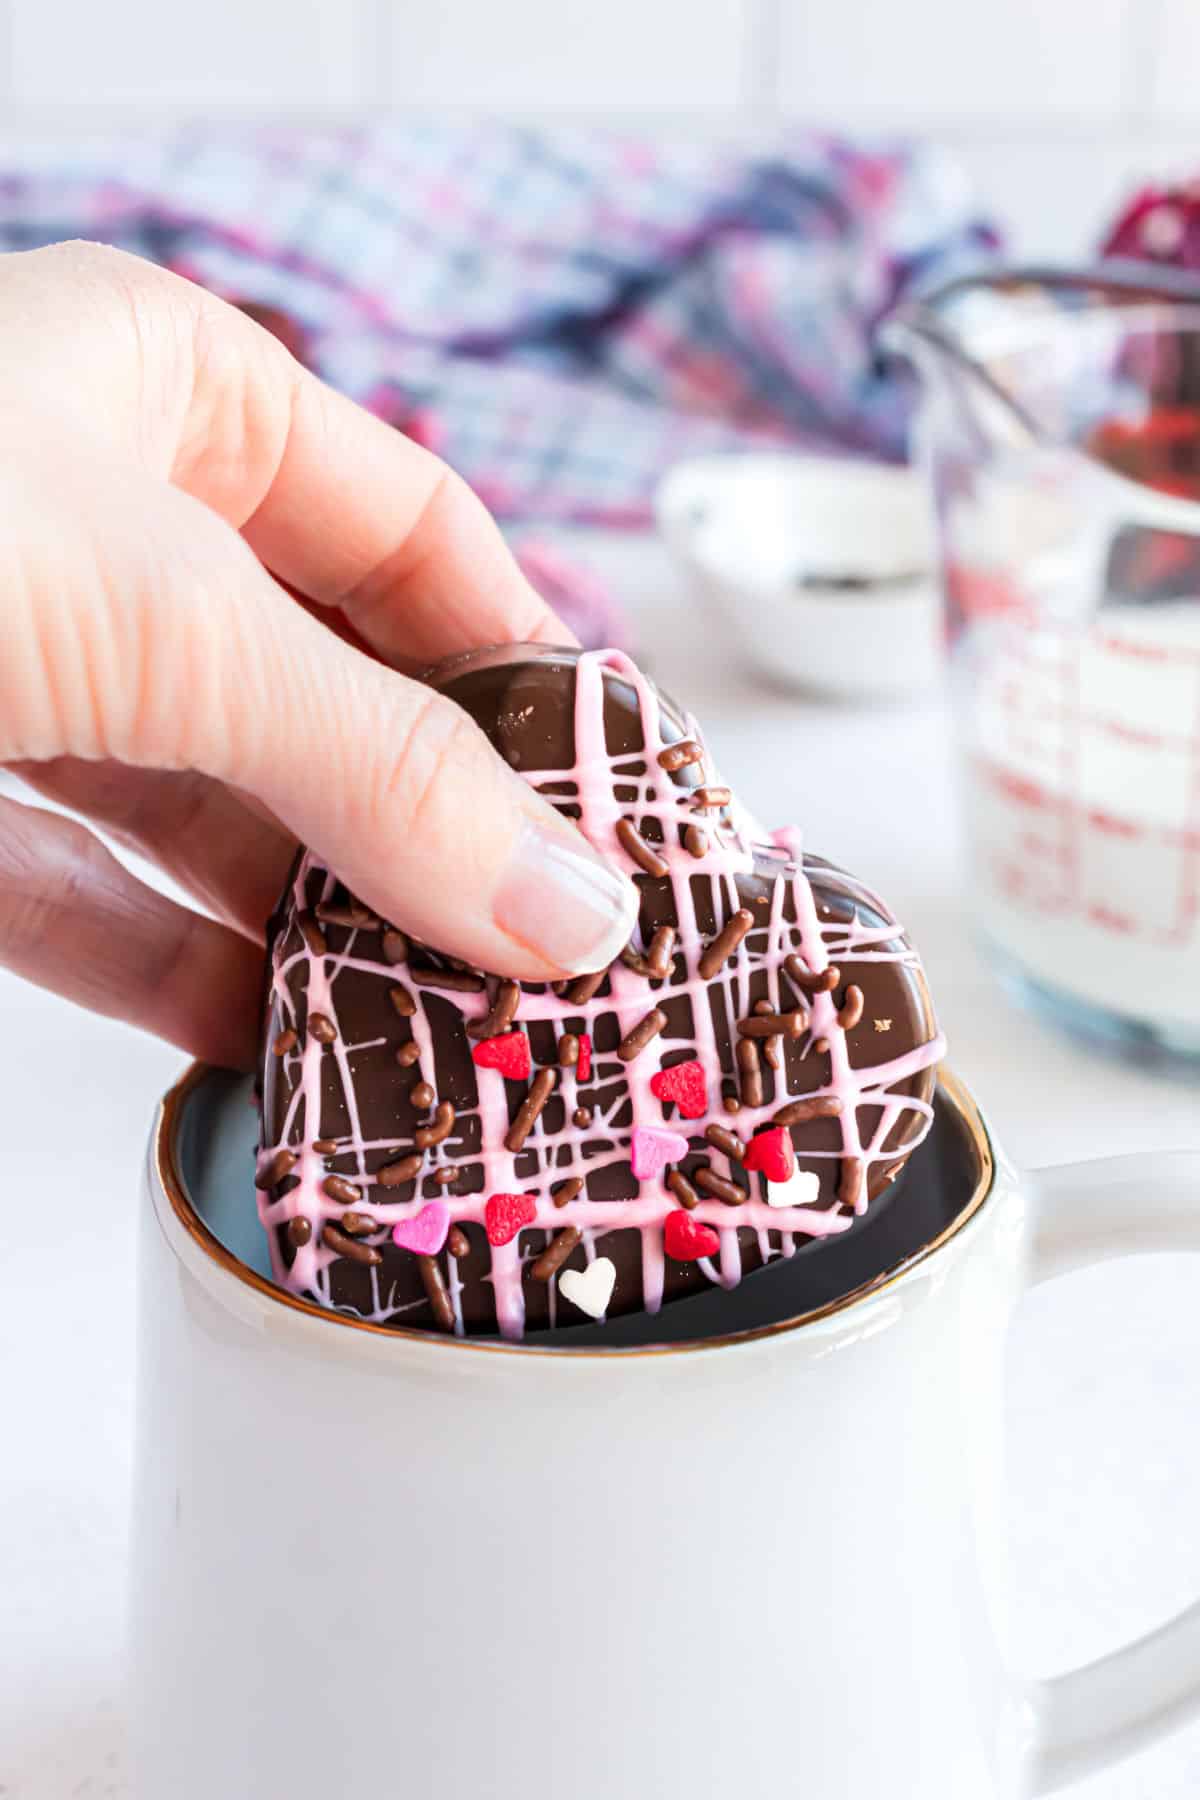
x,y
184,512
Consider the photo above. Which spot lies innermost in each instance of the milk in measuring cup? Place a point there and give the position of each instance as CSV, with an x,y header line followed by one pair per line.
x,y
1083,807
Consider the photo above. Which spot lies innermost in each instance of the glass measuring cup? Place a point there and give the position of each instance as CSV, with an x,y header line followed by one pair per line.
x,y
1060,428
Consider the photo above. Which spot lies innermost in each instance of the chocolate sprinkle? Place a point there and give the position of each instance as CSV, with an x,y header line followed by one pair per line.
x,y
395,946
408,1054
567,1191
455,981
727,1141
852,1008
436,1291
312,934
772,1024
731,1103
773,1047
501,1013
426,1136
850,1186
353,916
281,1164
695,842
660,953
636,847
367,1254
358,1224
655,965
751,1072
582,1116
709,1182
458,1243
299,1232
710,799
322,1028
540,1090
643,1033
287,1040
403,1001
678,756
806,981
556,1253
325,1146
799,1112
395,1174
568,1050
586,987
338,1188
717,954
682,1189
444,1177
423,1096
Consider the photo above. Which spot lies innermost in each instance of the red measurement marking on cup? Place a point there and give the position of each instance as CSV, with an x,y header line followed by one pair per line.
x,y
1092,799
1108,825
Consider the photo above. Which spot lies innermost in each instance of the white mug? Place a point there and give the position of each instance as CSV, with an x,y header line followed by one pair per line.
x,y
382,1564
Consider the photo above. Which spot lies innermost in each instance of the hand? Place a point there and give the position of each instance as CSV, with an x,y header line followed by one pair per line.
x,y
165,468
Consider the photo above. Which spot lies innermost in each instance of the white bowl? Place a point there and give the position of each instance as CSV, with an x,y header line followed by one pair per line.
x,y
824,568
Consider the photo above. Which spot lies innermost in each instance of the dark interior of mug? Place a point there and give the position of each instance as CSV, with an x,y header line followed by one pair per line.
x,y
207,1154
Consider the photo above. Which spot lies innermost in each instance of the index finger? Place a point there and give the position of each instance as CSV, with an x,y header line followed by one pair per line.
x,y
358,516
337,504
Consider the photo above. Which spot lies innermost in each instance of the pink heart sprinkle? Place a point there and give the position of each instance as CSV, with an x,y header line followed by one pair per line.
x,y
426,1231
653,1149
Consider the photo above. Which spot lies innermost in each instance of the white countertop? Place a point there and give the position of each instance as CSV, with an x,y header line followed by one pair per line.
x,y
1105,1460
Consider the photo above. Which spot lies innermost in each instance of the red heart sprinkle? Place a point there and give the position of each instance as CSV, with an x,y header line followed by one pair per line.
x,y
583,1068
506,1214
683,1083
771,1154
509,1054
686,1241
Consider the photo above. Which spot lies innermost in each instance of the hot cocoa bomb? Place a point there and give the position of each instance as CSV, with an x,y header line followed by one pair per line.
x,y
444,1149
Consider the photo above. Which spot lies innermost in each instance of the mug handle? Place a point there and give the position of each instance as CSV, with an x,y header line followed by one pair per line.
x,y
1108,1709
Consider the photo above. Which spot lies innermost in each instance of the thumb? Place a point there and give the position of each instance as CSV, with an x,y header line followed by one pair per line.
x,y
403,796
146,631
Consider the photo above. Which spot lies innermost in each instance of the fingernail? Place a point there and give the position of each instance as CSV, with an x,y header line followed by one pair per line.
x,y
561,901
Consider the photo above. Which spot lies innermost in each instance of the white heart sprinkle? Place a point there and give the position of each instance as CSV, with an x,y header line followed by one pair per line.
x,y
801,1189
590,1289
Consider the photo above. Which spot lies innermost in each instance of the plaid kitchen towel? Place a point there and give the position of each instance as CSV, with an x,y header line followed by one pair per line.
x,y
561,313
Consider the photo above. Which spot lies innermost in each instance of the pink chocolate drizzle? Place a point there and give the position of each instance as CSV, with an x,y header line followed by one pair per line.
x,y
560,1155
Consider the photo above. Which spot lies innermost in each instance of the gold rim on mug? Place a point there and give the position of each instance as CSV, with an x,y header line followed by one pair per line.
x,y
166,1133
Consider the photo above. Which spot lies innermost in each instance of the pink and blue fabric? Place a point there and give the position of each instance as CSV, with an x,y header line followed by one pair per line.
x,y
561,313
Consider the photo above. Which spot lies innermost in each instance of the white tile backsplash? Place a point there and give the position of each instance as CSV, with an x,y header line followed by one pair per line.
x,y
1176,59
1057,107
925,61
1058,196
157,53
567,53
